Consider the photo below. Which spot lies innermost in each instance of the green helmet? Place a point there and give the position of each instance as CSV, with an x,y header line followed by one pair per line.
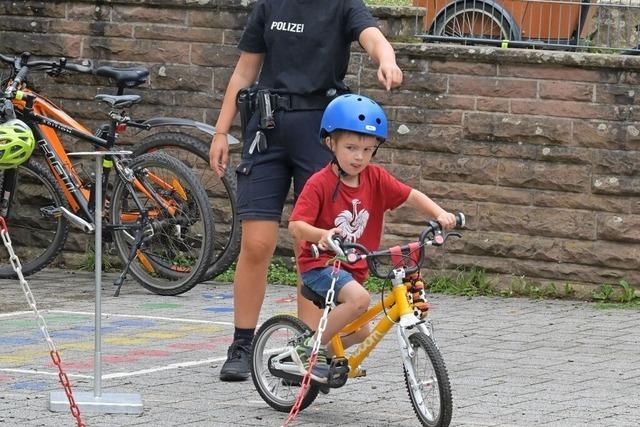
x,y
16,143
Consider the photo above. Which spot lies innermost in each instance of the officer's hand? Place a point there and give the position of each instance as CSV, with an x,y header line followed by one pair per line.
x,y
219,153
389,75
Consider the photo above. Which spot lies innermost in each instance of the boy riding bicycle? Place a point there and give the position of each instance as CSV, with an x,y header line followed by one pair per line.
x,y
348,197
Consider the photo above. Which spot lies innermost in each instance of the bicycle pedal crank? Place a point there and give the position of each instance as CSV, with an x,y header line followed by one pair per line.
x,y
49,211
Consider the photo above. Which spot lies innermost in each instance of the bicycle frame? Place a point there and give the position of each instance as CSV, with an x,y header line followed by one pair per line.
x,y
397,310
37,110
48,117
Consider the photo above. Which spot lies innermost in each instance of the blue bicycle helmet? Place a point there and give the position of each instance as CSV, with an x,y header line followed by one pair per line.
x,y
355,113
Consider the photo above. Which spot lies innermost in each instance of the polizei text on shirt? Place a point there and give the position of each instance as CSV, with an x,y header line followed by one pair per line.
x,y
292,27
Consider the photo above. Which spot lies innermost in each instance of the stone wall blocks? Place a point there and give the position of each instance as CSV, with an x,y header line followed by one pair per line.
x,y
418,115
42,44
33,8
616,185
623,228
214,56
165,32
537,221
460,168
543,175
218,19
602,134
136,50
439,138
181,77
517,128
134,13
581,201
618,162
492,87
483,193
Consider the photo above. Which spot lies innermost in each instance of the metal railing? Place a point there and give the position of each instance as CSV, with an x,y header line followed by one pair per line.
x,y
581,25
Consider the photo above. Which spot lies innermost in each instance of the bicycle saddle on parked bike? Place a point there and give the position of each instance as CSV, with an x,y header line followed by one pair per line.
x,y
129,76
119,101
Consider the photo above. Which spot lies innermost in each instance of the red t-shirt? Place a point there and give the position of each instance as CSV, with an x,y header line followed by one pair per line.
x,y
357,211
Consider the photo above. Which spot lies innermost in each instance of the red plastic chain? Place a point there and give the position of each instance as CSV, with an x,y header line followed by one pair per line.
x,y
55,356
64,380
306,381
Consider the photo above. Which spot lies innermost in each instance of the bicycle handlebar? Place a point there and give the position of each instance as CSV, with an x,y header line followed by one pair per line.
x,y
354,252
22,64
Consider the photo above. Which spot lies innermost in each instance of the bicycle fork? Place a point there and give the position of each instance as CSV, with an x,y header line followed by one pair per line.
x,y
408,355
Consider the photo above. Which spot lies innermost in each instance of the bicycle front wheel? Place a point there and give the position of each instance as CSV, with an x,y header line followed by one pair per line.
x,y
274,337
221,191
168,204
430,393
36,227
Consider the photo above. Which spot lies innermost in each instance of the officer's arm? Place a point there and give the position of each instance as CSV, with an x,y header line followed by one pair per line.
x,y
380,50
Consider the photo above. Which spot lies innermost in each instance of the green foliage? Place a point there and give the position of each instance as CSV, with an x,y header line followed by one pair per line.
x,y
626,297
278,272
89,263
604,293
628,292
569,291
470,283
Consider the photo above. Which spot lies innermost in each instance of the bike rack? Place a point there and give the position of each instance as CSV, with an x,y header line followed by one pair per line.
x,y
98,402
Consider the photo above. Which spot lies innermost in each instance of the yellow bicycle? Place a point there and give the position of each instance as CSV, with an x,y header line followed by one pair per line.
x,y
277,378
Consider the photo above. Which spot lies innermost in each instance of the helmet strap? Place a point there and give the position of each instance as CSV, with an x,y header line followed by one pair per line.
x,y
341,174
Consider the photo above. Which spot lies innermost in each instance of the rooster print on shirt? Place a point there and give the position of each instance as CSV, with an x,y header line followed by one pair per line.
x,y
352,222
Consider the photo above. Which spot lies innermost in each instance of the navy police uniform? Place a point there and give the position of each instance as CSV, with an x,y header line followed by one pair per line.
x,y
307,48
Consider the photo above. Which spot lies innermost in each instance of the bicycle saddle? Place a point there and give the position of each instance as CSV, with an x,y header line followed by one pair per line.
x,y
118,101
128,77
317,299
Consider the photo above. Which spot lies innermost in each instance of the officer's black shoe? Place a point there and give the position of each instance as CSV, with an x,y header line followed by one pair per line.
x,y
236,367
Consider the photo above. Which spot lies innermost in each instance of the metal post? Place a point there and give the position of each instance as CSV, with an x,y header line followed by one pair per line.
x,y
107,403
97,357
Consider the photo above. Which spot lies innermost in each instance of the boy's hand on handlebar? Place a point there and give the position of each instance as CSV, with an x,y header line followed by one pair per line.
x,y
323,243
219,153
447,220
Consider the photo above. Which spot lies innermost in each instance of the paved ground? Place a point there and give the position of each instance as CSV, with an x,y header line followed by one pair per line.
x,y
512,362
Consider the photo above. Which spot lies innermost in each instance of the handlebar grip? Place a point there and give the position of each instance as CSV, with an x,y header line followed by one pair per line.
x,y
461,220
335,243
78,68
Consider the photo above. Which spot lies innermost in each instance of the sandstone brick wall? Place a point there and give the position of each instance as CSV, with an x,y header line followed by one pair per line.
x,y
540,149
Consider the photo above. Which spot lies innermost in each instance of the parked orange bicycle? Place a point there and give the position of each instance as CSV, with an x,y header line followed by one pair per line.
x,y
158,215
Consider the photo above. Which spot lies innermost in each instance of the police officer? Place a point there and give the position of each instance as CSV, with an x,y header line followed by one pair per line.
x,y
299,51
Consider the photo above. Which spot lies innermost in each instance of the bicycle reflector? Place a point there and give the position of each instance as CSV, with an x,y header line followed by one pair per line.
x,y
16,144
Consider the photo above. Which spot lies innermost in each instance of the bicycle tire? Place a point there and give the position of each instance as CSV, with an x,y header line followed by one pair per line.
x,y
457,20
182,243
35,240
422,342
267,384
221,191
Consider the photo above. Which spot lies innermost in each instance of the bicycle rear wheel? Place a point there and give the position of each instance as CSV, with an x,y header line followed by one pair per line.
x,y
431,393
221,191
37,236
177,246
275,336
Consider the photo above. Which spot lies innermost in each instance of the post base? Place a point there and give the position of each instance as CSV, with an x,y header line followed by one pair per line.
x,y
106,403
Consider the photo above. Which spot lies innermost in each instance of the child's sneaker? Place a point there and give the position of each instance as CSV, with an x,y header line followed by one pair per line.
x,y
302,355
